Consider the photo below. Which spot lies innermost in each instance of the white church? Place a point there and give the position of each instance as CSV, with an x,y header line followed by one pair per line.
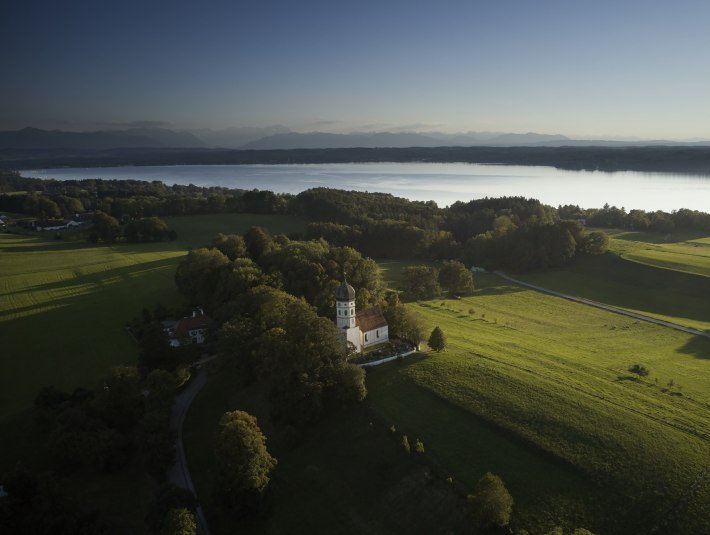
x,y
362,329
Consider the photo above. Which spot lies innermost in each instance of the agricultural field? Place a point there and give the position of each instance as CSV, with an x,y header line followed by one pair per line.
x,y
671,295
537,389
687,252
64,304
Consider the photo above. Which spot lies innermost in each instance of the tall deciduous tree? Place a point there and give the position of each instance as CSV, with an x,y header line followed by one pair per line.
x,y
595,242
421,282
491,501
231,245
455,277
403,323
198,274
179,522
106,227
244,463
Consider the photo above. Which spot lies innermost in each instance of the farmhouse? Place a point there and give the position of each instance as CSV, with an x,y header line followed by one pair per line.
x,y
60,224
189,330
359,330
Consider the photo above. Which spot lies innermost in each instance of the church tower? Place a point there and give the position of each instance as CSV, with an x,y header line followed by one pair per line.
x,y
345,305
345,317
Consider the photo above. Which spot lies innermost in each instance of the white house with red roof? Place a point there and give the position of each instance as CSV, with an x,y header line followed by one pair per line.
x,y
360,330
188,330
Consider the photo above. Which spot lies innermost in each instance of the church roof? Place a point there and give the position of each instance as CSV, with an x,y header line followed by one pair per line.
x,y
370,319
345,292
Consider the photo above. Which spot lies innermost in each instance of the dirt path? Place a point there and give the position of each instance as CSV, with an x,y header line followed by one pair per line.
x,y
604,306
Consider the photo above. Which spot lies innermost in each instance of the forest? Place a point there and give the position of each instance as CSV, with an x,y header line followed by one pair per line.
x,y
509,232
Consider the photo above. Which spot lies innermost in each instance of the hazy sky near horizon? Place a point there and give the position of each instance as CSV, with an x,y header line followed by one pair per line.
x,y
623,68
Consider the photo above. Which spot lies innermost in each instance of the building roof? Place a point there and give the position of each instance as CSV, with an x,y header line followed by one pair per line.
x,y
370,319
191,323
345,292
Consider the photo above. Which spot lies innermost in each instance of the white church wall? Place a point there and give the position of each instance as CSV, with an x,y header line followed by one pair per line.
x,y
375,336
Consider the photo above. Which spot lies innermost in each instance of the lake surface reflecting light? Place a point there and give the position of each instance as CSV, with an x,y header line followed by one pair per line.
x,y
444,183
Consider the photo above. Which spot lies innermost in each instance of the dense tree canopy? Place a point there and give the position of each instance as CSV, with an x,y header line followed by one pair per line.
x,y
243,460
402,322
198,275
421,282
456,278
231,245
106,228
179,522
147,229
491,501
279,339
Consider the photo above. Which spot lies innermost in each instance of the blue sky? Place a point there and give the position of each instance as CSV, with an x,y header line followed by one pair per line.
x,y
581,68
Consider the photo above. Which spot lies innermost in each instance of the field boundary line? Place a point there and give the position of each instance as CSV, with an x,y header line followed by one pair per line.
x,y
604,306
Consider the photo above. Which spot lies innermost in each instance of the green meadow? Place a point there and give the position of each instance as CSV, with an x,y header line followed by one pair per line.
x,y
64,304
621,279
536,388
680,251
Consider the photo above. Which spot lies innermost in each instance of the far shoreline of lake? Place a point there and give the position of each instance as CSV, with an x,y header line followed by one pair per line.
x,y
443,183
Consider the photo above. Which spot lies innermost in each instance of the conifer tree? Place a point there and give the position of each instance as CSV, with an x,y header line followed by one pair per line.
x,y
437,340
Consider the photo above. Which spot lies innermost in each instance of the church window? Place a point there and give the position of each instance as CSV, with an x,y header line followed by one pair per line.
x,y
365,337
377,333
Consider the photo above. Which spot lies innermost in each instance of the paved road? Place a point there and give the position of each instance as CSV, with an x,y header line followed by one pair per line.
x,y
604,306
180,474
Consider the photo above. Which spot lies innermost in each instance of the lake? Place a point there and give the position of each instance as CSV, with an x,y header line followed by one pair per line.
x,y
444,183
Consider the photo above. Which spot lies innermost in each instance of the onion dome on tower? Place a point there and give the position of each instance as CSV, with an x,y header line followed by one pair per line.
x,y
345,292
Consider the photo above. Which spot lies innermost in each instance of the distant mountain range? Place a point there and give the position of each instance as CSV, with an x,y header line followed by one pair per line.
x,y
280,137
35,138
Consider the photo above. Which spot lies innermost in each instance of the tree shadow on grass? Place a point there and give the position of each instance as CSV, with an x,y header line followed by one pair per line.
x,y
503,289
73,333
626,284
697,346
36,244
92,281
660,237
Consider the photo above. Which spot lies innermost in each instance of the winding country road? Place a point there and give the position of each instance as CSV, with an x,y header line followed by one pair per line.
x,y
604,306
180,474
